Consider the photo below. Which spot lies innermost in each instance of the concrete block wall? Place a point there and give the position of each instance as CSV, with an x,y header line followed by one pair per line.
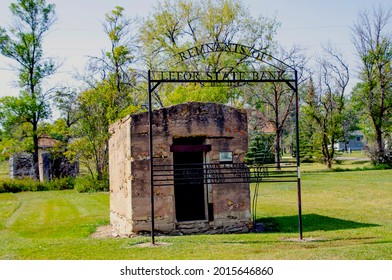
x,y
223,127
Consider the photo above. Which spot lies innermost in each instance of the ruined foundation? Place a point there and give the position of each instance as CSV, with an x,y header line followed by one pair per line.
x,y
183,134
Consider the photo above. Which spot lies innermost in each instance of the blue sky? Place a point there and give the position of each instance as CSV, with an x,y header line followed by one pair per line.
x,y
78,31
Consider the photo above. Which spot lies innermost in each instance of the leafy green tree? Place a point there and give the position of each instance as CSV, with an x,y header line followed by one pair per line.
x,y
22,43
373,95
196,92
309,137
325,102
6,143
115,66
277,100
176,26
92,131
110,95
65,100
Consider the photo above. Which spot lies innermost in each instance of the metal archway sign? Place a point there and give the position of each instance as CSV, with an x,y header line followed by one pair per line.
x,y
280,73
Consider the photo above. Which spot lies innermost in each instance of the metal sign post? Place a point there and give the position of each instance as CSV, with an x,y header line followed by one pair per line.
x,y
151,159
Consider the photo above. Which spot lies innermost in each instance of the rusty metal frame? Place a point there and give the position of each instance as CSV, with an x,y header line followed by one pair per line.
x,y
224,173
227,173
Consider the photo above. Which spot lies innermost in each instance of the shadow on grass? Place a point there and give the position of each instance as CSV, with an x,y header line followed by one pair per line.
x,y
310,222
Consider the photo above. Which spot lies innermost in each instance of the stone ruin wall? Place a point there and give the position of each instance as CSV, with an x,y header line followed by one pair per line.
x,y
21,165
120,160
225,128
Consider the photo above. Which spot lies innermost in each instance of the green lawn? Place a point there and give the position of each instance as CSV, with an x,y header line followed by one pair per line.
x,y
346,215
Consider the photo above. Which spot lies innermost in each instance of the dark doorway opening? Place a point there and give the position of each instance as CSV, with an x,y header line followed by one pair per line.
x,y
189,192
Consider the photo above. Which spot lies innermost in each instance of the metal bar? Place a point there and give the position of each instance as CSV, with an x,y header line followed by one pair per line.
x,y
227,180
269,167
151,159
219,173
272,164
222,81
297,157
222,183
214,176
256,76
154,86
232,182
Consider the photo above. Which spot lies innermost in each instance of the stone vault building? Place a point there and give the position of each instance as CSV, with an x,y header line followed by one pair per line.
x,y
51,164
188,139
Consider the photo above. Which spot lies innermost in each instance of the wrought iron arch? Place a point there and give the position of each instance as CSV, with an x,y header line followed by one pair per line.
x,y
280,73
248,51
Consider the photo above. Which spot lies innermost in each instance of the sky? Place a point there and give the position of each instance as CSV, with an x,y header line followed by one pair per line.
x,y
78,31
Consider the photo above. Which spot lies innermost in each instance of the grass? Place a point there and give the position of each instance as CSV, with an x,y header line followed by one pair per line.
x,y
346,215
346,165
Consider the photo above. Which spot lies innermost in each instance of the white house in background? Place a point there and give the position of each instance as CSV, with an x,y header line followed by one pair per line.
x,y
355,142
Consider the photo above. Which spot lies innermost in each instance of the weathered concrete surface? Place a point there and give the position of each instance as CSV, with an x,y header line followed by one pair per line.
x,y
51,164
223,127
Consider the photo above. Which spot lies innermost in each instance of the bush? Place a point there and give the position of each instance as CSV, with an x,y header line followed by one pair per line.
x,y
382,166
338,161
309,159
66,183
373,167
379,159
20,185
87,184
28,184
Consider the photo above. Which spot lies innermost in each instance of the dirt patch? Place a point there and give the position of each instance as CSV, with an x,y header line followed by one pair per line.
x,y
302,240
157,244
103,232
107,231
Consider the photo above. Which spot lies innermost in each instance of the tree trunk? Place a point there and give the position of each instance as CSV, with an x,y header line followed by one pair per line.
x,y
326,153
380,146
329,163
277,149
102,162
35,151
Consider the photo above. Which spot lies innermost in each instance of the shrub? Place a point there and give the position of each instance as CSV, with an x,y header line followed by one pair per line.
x,y
308,159
87,184
338,161
28,184
373,167
384,158
66,183
382,166
19,185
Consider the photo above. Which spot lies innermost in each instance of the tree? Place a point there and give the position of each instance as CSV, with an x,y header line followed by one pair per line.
x,y
277,100
309,136
66,102
109,96
324,106
175,26
374,93
115,65
22,43
92,132
64,128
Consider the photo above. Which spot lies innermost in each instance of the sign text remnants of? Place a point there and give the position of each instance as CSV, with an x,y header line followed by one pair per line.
x,y
222,47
